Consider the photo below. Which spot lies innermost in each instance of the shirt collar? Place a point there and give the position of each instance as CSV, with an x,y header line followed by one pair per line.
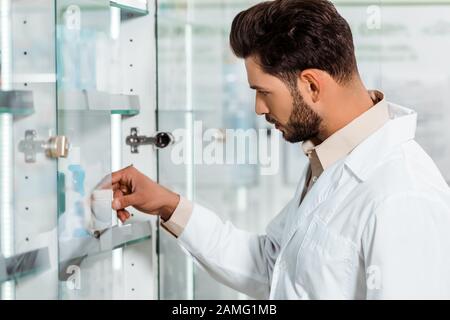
x,y
400,128
343,141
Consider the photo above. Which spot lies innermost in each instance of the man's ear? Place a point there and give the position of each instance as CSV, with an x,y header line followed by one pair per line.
x,y
309,85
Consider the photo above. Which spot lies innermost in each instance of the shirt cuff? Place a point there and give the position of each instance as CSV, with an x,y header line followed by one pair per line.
x,y
179,219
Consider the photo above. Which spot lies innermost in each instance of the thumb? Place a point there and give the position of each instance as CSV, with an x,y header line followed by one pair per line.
x,y
123,202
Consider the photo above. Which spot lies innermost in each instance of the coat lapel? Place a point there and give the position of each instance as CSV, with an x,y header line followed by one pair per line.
x,y
399,129
324,187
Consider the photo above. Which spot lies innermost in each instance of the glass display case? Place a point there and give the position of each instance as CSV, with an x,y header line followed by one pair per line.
x,y
66,109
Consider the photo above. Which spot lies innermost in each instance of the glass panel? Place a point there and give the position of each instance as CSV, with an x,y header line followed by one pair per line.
x,y
211,94
24,264
89,99
16,102
56,221
105,240
28,178
83,40
174,112
131,6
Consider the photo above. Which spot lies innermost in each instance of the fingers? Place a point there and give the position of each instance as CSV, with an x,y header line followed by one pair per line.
x,y
117,193
122,202
123,188
116,177
120,176
123,215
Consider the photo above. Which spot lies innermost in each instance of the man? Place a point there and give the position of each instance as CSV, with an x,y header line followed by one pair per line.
x,y
371,214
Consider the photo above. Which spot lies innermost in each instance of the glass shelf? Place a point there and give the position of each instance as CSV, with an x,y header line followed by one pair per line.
x,y
84,100
24,264
16,102
129,112
75,250
131,6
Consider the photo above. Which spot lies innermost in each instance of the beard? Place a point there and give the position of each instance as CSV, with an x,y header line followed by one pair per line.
x,y
303,123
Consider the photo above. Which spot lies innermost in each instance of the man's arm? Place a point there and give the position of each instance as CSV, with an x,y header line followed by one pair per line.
x,y
232,256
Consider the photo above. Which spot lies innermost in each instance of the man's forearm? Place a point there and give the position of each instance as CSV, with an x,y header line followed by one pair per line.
x,y
167,210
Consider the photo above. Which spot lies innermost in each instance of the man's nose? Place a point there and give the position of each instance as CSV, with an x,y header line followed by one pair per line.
x,y
261,108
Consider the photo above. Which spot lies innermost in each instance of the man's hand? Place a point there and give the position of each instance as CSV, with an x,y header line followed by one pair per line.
x,y
133,189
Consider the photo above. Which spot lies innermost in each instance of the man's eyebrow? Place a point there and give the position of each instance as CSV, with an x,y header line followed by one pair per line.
x,y
257,88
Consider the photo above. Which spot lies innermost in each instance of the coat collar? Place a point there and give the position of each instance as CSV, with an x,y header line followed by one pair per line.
x,y
400,128
343,141
362,160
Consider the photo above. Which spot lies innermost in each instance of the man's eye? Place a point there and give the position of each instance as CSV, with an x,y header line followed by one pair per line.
x,y
264,93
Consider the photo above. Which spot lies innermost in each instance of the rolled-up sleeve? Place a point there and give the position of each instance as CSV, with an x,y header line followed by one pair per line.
x,y
179,219
239,259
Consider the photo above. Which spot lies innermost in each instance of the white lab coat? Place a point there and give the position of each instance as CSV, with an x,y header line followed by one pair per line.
x,y
376,225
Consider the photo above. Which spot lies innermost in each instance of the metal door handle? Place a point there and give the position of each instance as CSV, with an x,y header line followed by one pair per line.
x,y
54,147
160,140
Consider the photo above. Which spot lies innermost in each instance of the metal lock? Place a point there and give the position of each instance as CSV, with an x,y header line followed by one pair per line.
x,y
160,140
57,147
54,147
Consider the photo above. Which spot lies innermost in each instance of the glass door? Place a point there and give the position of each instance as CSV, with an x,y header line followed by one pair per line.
x,y
83,42
68,89
28,235
91,103
203,94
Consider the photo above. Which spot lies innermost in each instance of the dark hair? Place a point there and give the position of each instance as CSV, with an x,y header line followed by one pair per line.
x,y
289,36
